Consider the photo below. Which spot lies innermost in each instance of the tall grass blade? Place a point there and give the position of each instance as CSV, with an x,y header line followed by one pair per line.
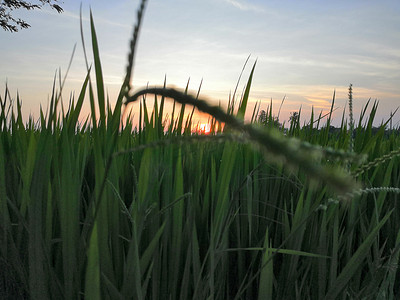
x,y
355,262
92,277
267,273
243,104
99,73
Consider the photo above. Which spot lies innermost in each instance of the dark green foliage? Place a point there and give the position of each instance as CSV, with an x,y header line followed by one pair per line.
x,y
198,207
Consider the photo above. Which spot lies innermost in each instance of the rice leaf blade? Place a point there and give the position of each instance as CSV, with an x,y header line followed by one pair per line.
x,y
355,262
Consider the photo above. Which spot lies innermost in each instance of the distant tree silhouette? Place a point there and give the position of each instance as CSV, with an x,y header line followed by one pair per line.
x,y
9,23
294,117
267,120
262,117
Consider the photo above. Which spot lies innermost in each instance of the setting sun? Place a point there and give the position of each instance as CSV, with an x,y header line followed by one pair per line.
x,y
204,128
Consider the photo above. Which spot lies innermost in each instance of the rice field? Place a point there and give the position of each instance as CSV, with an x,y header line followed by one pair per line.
x,y
101,209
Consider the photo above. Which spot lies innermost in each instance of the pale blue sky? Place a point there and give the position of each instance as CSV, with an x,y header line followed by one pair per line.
x,y
304,50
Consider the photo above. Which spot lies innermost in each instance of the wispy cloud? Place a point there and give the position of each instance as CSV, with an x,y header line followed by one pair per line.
x,y
245,6
68,14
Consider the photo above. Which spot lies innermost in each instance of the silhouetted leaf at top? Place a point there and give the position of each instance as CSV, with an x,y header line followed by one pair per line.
x,y
9,23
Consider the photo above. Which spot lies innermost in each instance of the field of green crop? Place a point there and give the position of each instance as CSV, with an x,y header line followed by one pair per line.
x,y
100,210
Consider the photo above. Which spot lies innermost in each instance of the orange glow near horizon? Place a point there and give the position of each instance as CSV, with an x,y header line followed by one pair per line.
x,y
203,128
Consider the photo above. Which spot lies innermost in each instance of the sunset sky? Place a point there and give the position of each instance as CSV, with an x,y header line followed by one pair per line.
x,y
304,50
